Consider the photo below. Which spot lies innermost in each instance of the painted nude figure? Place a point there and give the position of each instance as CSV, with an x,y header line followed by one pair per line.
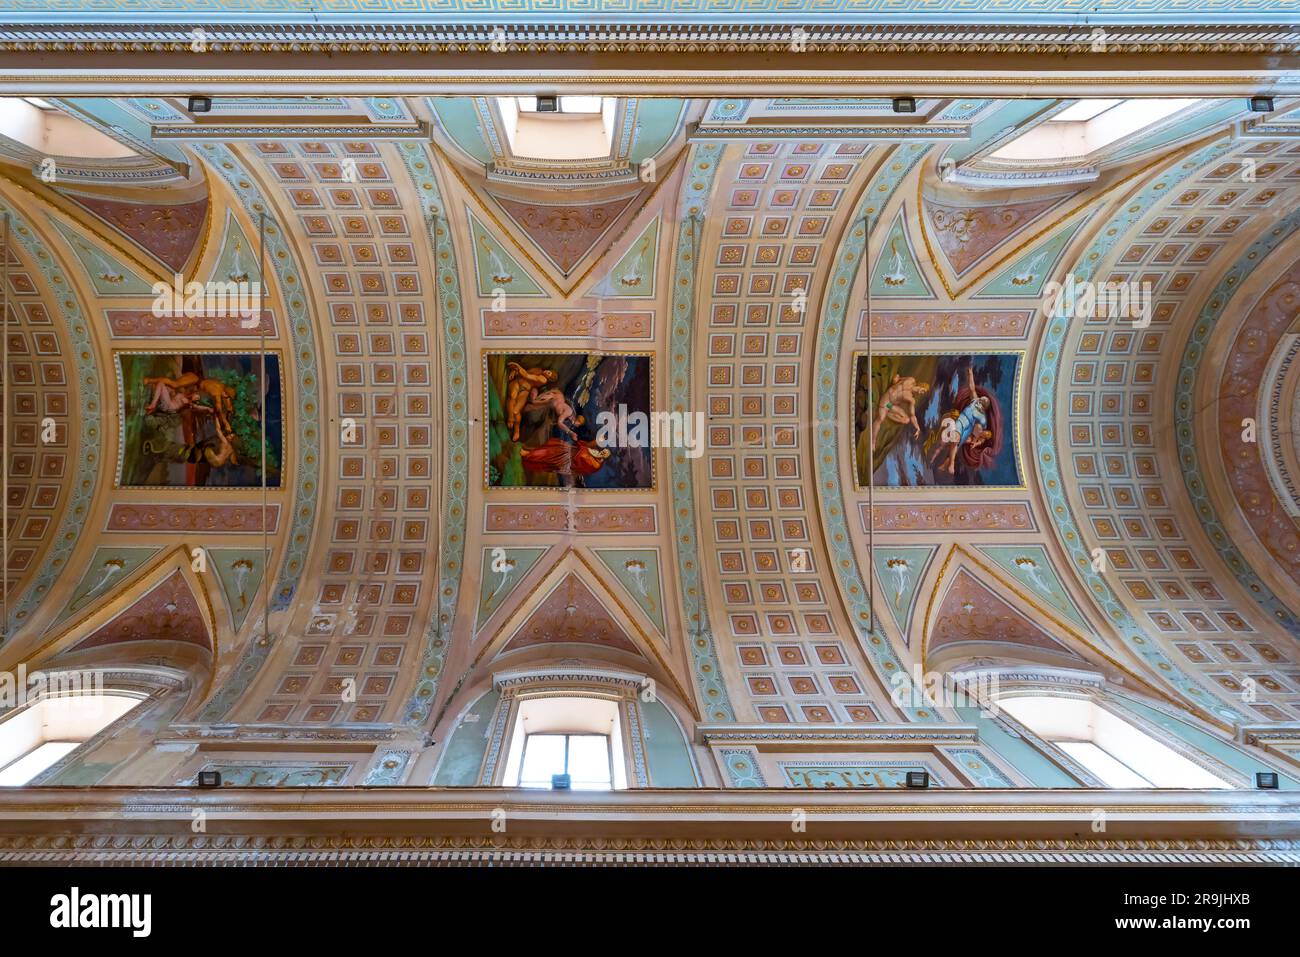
x,y
554,400
167,393
898,404
168,398
521,383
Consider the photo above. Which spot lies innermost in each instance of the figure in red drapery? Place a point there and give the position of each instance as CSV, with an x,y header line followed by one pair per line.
x,y
556,455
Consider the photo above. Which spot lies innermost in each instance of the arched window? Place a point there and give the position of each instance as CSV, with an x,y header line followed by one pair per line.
x,y
1114,751
35,737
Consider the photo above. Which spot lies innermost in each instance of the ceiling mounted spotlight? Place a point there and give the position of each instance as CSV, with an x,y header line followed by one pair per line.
x,y
904,104
200,104
209,779
1266,780
1261,104
918,779
548,104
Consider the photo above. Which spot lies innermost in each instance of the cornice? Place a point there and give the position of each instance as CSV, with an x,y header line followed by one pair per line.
x,y
417,851
276,732
389,825
576,35
846,132
316,133
803,737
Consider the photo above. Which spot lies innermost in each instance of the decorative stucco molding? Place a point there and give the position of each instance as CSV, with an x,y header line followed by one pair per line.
x,y
413,826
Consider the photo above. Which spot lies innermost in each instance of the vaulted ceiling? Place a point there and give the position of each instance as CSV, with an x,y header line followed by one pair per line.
x,y
1127,524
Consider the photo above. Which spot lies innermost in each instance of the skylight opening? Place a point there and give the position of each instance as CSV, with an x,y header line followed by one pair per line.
x,y
567,128
35,738
1088,126
1117,753
40,126
1084,110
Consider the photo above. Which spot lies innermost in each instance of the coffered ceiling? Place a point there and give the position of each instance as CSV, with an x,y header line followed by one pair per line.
x,y
786,567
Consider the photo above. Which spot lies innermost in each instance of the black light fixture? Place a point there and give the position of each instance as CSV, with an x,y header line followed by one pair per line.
x,y
209,779
1266,780
1261,104
918,779
200,104
561,782
548,104
904,104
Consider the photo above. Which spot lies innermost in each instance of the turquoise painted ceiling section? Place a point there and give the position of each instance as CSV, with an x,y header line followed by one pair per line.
x,y
240,572
1031,566
238,259
501,572
1028,275
633,276
125,124
460,121
637,570
109,568
656,122
108,274
899,570
897,273
495,269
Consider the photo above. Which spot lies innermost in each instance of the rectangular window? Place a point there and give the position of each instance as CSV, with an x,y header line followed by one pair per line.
x,y
1109,770
34,762
1115,752
584,757
35,738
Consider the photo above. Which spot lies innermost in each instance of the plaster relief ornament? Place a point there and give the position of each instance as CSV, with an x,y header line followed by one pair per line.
x,y
500,274
902,572
636,568
1030,568
897,273
1030,272
503,566
242,568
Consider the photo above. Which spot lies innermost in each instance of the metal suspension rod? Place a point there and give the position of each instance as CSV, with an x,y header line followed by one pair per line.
x,y
261,319
4,435
871,445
